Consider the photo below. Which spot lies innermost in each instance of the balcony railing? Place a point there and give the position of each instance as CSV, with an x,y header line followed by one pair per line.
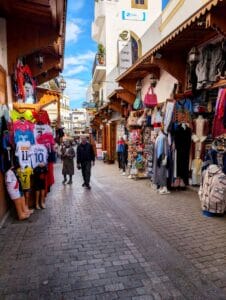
x,y
99,61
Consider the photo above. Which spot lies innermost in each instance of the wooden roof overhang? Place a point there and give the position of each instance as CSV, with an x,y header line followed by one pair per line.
x,y
33,27
122,94
201,27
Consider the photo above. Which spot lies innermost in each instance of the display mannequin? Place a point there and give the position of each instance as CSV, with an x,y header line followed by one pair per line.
x,y
25,179
200,132
15,192
160,163
39,184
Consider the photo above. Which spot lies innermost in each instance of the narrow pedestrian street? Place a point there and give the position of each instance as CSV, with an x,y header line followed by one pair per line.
x,y
120,240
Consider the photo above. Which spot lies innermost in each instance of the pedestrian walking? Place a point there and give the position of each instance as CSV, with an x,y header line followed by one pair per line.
x,y
85,160
67,156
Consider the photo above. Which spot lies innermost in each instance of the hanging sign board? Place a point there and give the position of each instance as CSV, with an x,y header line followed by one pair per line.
x,y
133,15
125,55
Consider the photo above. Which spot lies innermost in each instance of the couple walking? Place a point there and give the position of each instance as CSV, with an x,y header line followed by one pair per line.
x,y
85,160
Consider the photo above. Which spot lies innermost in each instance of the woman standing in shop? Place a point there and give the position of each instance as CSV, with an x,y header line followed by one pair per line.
x,y
67,156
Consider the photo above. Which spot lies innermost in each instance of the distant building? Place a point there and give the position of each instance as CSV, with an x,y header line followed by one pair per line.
x,y
79,120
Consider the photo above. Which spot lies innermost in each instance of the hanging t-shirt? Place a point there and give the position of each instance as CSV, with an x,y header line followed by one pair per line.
x,y
27,115
46,139
23,125
25,177
41,116
24,136
23,154
39,155
41,129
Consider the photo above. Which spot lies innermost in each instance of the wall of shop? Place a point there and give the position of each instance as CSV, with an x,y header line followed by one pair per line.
x,y
115,25
163,88
3,63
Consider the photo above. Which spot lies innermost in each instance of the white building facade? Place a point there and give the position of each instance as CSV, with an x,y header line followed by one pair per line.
x,y
79,120
119,26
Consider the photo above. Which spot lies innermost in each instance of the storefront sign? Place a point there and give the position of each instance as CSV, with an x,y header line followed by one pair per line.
x,y
133,15
125,55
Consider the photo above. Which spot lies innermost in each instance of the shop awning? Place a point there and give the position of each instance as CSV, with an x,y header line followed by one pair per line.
x,y
122,94
36,27
202,26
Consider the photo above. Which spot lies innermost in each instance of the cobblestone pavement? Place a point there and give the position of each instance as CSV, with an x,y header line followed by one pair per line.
x,y
120,240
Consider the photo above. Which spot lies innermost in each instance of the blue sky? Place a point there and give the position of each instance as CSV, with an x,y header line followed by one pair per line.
x,y
79,50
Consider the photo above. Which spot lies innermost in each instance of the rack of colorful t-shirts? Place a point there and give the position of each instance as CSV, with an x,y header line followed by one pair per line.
x,y
30,145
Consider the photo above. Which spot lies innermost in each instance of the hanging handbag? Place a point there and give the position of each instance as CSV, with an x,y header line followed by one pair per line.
x,y
150,100
138,102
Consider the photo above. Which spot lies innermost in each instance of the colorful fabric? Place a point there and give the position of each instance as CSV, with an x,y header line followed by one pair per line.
x,y
218,123
23,125
24,136
23,154
41,129
25,177
46,139
39,155
41,116
27,115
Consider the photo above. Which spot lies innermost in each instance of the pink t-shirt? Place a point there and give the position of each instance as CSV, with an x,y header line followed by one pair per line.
x,y
23,125
46,139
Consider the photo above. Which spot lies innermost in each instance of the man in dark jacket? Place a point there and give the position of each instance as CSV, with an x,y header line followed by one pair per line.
x,y
85,159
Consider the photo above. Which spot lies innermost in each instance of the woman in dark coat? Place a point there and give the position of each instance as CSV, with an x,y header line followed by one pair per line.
x,y
67,155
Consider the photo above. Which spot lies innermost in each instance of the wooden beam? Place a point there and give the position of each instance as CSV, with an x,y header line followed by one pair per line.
x,y
52,73
129,85
126,96
23,40
116,107
49,63
217,20
175,65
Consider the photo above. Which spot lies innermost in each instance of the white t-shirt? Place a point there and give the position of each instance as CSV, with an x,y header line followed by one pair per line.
x,y
22,152
39,155
44,128
12,185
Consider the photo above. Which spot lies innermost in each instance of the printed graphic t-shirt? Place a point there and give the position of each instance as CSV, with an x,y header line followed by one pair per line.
x,y
23,154
25,177
39,155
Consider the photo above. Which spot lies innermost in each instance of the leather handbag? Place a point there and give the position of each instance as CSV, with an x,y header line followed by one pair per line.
x,y
150,100
138,102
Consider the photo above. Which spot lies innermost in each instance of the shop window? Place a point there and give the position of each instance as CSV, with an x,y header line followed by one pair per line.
x,y
136,47
142,4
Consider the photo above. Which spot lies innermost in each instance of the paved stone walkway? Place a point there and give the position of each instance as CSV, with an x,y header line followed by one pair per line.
x,y
120,240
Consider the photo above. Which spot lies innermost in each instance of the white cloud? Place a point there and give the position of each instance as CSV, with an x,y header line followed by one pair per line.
x,y
75,70
76,90
72,31
81,59
75,5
